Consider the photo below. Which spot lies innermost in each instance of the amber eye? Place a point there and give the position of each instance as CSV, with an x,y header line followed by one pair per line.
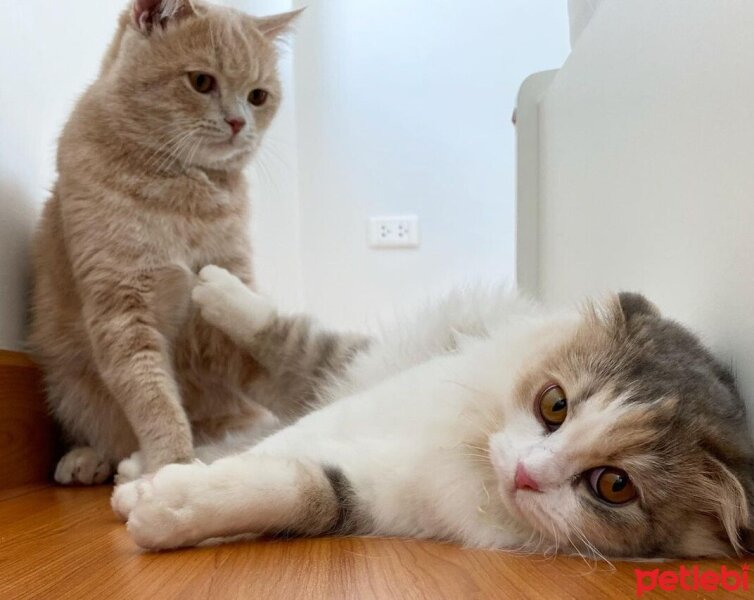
x,y
202,82
258,97
553,406
612,485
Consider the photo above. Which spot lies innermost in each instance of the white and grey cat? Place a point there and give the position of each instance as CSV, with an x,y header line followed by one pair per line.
x,y
489,421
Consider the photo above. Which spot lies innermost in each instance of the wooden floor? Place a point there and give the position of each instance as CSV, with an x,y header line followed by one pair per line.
x,y
58,544
64,543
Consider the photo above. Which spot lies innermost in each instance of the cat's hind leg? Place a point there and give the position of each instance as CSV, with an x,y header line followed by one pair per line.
x,y
83,466
183,505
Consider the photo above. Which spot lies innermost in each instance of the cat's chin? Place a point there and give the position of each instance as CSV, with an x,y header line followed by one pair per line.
x,y
507,496
225,157
516,506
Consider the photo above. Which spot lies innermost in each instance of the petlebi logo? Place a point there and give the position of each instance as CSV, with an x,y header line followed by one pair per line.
x,y
692,579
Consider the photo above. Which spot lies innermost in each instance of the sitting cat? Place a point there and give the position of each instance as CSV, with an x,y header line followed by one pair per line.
x,y
151,188
490,422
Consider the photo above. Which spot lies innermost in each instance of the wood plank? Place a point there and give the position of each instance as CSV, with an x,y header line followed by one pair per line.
x,y
17,359
65,544
27,435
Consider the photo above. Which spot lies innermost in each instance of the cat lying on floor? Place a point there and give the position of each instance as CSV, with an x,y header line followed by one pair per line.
x,y
490,422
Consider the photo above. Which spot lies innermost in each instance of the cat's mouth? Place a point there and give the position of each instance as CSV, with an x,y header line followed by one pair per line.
x,y
225,143
227,148
506,484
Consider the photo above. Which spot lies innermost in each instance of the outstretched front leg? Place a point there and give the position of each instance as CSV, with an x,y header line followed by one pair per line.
x,y
183,505
231,306
278,341
300,357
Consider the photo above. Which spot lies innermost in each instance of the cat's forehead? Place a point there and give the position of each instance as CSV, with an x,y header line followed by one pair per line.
x,y
632,381
643,360
223,41
609,428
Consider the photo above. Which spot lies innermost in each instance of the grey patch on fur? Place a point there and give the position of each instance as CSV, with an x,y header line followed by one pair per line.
x,y
348,521
301,360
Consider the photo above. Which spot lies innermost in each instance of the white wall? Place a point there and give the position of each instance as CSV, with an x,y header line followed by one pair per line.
x,y
647,172
405,108
49,52
43,67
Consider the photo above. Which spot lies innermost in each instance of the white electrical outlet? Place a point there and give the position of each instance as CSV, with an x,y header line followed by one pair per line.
x,y
394,232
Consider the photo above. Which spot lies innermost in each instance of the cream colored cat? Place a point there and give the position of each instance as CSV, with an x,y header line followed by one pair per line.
x,y
151,189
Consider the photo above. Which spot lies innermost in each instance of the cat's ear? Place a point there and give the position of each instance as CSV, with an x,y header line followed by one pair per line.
x,y
634,305
148,14
727,497
276,25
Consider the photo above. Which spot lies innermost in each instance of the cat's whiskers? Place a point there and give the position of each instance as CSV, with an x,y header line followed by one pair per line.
x,y
173,130
488,427
171,158
149,154
267,157
191,154
483,449
579,553
490,414
592,549
166,149
269,148
471,389
527,548
263,171
544,523
556,538
181,153
478,458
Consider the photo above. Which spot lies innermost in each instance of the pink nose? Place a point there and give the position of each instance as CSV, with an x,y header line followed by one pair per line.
x,y
524,481
236,124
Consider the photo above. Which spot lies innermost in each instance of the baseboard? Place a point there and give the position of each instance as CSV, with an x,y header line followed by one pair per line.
x,y
27,433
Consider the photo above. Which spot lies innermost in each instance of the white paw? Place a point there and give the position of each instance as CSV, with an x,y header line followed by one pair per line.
x,y
83,466
124,498
228,304
131,468
164,511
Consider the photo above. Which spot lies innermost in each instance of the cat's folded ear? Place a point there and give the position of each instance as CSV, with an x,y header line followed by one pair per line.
x,y
633,305
148,14
274,26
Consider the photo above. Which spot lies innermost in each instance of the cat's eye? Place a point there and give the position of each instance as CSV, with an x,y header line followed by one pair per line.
x,y
202,82
612,485
258,97
553,406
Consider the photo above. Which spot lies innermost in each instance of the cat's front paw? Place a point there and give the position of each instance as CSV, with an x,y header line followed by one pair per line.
x,y
124,498
82,466
130,469
163,511
226,303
